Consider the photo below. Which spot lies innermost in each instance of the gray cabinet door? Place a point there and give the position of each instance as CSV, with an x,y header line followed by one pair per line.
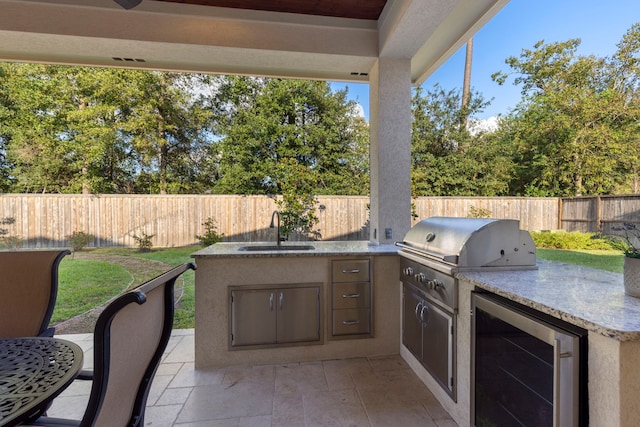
x,y
437,344
298,317
253,317
411,321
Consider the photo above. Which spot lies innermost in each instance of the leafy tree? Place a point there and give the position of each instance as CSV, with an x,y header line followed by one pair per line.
x,y
298,202
80,129
448,159
263,122
33,126
170,132
577,127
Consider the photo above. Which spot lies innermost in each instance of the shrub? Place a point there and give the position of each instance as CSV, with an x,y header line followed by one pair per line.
x,y
210,235
6,221
478,212
144,241
80,239
297,205
12,242
572,240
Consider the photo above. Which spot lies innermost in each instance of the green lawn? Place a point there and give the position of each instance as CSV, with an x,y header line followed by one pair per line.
x,y
84,284
608,260
87,283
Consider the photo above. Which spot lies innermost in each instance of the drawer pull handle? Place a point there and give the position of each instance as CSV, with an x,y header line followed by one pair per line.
x,y
350,322
350,295
354,271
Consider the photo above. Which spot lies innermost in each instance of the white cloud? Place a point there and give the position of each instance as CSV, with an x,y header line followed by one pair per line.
x,y
359,110
484,125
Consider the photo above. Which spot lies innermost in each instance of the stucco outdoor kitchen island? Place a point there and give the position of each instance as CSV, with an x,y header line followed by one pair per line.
x,y
590,299
306,301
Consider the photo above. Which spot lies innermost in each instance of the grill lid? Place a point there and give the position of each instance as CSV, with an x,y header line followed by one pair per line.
x,y
472,242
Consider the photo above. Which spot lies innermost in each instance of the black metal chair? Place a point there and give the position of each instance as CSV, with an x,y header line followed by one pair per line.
x,y
130,337
28,292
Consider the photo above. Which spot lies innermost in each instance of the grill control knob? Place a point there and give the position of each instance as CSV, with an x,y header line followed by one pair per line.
x,y
420,278
435,284
408,271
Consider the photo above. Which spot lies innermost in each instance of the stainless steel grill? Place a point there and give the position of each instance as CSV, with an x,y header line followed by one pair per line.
x,y
471,243
431,252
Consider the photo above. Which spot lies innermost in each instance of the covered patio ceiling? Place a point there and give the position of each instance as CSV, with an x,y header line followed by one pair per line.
x,y
338,40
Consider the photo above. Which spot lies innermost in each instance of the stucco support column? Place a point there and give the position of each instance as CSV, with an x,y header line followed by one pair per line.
x,y
390,151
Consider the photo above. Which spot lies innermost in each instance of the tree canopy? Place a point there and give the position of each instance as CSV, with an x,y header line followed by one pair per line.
x,y
576,131
577,128
98,130
265,123
448,157
92,130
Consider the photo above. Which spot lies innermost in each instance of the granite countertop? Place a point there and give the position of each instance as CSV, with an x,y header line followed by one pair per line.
x,y
320,248
589,298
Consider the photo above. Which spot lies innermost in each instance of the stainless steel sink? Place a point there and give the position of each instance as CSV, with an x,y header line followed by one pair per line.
x,y
266,248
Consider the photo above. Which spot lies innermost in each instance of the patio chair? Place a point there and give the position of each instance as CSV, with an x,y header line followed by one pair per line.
x,y
130,337
28,291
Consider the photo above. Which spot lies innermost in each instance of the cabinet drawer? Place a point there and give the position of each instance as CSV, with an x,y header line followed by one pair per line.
x,y
354,270
351,321
351,295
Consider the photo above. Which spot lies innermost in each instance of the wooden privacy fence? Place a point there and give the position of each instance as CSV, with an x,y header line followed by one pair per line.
x,y
534,213
47,221
598,214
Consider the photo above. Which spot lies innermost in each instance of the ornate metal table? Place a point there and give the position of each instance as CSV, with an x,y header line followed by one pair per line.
x,y
33,371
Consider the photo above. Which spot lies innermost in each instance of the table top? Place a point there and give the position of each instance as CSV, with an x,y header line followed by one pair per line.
x,y
33,371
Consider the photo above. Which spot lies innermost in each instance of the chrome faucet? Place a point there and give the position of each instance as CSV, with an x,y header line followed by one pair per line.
x,y
276,215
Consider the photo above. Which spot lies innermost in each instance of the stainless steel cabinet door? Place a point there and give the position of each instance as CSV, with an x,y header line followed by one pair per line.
x,y
411,321
437,344
298,316
253,317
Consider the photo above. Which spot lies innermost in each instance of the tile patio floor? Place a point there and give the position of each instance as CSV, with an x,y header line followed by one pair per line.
x,y
348,392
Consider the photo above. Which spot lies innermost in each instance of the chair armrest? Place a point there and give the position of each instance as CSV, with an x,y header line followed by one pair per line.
x,y
49,332
53,422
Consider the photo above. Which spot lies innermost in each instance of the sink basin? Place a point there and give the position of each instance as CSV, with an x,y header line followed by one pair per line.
x,y
263,248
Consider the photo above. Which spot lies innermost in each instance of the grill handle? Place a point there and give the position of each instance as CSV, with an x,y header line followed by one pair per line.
x,y
418,311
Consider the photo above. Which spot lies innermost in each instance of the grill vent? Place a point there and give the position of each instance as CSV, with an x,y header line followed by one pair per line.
x,y
121,59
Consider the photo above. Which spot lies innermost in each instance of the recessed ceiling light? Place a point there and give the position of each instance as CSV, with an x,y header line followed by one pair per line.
x,y
128,4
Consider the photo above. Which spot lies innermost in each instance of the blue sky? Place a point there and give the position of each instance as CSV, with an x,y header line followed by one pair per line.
x,y
519,25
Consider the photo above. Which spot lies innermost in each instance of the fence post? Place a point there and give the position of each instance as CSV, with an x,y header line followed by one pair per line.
x,y
560,227
598,214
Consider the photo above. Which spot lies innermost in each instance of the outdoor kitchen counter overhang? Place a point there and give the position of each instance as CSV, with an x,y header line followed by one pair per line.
x,y
591,299
588,298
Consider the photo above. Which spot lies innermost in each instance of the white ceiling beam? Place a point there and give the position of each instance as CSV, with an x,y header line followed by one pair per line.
x,y
429,31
